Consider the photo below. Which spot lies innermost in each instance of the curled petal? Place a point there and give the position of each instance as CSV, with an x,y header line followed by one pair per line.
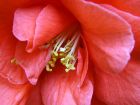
x,y
134,21
38,26
109,37
51,21
25,23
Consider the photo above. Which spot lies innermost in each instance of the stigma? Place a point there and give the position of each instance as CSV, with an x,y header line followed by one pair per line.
x,y
64,50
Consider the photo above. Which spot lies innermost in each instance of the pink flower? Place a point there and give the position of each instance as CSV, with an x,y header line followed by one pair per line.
x,y
70,52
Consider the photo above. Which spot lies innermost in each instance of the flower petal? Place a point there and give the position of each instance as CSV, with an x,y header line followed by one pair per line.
x,y
134,21
50,22
132,6
33,63
119,89
12,94
108,36
61,88
24,24
97,102
10,71
35,97
38,26
83,61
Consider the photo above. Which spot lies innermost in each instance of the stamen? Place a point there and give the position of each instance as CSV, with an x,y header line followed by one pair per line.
x,y
48,68
66,53
69,60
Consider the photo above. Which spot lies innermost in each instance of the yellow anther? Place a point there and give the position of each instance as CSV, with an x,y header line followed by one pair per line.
x,y
54,59
67,70
62,55
64,61
48,68
67,61
54,54
68,49
70,66
51,63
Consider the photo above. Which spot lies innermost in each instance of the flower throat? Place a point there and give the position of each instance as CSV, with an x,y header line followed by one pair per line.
x,y
64,50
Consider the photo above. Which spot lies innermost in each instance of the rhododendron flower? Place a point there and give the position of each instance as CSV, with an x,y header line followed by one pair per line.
x,y
70,52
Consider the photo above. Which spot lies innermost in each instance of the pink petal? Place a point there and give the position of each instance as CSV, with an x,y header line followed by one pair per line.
x,y
119,89
33,63
83,61
12,94
24,24
51,21
109,37
10,71
134,21
61,88
38,26
131,6
35,96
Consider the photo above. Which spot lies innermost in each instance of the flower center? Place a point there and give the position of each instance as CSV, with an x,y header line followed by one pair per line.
x,y
64,49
